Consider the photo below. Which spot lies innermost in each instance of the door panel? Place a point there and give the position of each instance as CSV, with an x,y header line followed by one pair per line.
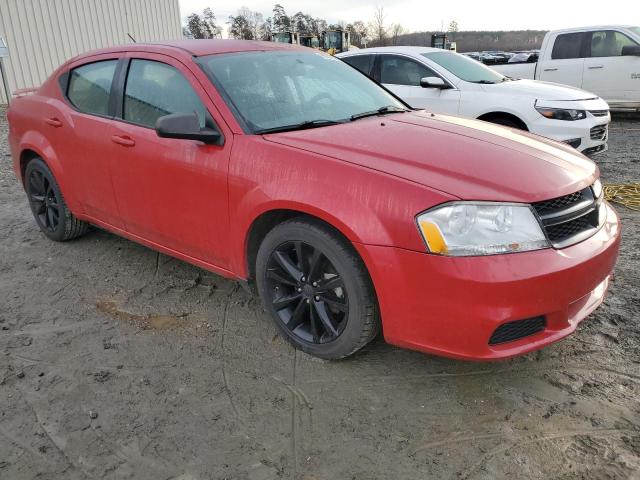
x,y
565,72
171,192
90,168
567,60
607,72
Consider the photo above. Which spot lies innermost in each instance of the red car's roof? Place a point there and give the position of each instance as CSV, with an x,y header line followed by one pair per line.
x,y
201,47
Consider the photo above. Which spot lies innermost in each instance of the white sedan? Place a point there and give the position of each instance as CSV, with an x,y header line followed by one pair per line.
x,y
445,82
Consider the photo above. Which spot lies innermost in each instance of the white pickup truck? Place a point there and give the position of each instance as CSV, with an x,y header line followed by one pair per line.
x,y
603,60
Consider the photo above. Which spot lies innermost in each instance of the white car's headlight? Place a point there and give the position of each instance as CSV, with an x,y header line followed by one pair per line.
x,y
562,113
475,228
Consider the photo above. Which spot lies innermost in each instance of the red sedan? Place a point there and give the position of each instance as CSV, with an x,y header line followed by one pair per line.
x,y
351,213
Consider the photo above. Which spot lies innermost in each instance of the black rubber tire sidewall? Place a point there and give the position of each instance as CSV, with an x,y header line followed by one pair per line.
x,y
359,291
505,122
60,233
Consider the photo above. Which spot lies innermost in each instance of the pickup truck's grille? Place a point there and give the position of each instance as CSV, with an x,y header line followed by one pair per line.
x,y
571,218
599,132
599,113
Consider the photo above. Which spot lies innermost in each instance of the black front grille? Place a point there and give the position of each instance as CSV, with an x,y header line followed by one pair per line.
x,y
599,132
562,231
599,113
566,219
508,332
559,203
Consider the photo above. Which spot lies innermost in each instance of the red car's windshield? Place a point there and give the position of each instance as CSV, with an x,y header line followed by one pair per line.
x,y
269,90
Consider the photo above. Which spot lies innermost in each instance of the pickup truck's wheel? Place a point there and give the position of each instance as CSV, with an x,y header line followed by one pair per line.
x,y
316,289
48,206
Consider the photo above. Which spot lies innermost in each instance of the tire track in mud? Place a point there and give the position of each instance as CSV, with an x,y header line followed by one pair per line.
x,y
300,403
120,368
294,426
391,380
536,438
53,438
223,355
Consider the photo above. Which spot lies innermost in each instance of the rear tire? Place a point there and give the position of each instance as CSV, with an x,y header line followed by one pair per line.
x,y
48,206
316,289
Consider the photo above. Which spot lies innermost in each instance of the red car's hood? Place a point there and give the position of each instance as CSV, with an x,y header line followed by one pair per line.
x,y
469,159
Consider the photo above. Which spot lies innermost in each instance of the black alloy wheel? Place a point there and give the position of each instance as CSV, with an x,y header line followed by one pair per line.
x,y
307,293
43,199
316,289
47,204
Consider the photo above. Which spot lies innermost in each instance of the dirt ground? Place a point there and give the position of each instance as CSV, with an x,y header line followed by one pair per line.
x,y
117,362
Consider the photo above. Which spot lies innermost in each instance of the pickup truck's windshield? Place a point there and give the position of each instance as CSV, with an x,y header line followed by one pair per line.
x,y
291,90
465,68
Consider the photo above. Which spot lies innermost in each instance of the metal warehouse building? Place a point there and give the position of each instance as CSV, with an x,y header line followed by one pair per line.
x,y
42,34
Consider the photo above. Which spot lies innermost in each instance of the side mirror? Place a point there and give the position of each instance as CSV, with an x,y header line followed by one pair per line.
x,y
186,126
434,82
631,50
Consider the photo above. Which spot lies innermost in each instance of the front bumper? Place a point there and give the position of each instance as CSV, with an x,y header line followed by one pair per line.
x,y
452,306
576,131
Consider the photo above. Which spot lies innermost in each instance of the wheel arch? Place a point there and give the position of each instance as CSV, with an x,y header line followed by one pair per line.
x,y
268,219
489,116
34,145
26,156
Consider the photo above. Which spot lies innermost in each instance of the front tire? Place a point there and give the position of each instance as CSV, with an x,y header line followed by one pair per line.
x,y
316,289
48,206
506,122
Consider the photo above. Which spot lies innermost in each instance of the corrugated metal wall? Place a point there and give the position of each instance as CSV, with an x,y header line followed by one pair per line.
x,y
42,34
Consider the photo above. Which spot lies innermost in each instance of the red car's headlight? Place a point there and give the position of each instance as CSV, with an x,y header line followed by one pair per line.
x,y
481,228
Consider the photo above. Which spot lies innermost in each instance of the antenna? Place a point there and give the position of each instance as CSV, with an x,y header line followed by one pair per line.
x,y
132,39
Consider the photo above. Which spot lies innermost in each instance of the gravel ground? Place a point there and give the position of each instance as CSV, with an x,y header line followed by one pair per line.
x,y
119,362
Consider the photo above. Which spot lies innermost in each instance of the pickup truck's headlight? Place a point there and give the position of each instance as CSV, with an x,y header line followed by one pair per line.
x,y
474,228
562,113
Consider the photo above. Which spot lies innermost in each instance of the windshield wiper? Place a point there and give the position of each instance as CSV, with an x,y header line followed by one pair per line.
x,y
485,82
380,111
298,126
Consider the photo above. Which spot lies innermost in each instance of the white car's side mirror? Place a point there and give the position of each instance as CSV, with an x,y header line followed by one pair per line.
x,y
434,82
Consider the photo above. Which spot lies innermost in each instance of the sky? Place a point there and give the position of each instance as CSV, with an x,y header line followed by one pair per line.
x,y
425,15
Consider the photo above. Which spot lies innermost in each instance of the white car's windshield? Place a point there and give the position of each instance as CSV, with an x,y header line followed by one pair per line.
x,y
635,30
283,90
465,68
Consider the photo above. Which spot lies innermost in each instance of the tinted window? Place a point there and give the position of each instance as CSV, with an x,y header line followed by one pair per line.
x,y
90,87
361,62
155,89
403,71
568,45
609,43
